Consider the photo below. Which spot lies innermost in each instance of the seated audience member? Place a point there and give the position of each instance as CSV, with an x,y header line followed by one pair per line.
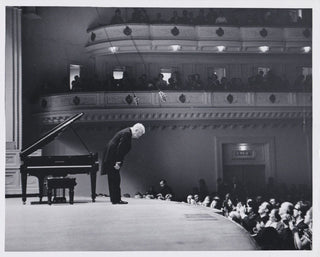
x,y
211,17
263,217
304,241
221,19
196,199
214,83
206,201
307,85
227,205
175,18
174,81
135,16
235,213
190,199
76,84
117,19
298,83
201,18
225,84
142,83
216,203
274,203
189,83
158,19
196,82
185,18
138,195
161,83
299,212
248,216
151,193
274,219
166,192
285,234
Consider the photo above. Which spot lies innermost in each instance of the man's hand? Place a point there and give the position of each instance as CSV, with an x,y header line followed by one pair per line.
x,y
117,165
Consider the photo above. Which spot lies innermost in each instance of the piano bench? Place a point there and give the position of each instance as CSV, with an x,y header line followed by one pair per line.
x,y
54,183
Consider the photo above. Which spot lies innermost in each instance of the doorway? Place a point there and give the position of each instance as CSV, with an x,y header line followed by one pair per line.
x,y
251,177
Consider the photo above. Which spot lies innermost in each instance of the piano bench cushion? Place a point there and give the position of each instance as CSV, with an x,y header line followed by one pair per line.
x,y
64,182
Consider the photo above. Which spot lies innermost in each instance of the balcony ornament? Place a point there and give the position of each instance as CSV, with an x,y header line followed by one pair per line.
x,y
230,98
136,99
263,32
93,36
220,32
44,103
129,99
76,100
175,31
306,33
127,31
163,96
272,98
182,98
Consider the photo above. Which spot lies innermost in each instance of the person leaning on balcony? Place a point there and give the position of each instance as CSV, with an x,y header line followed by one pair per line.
x,y
117,19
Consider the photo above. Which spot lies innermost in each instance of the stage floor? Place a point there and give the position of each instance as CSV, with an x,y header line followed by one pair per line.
x,y
141,225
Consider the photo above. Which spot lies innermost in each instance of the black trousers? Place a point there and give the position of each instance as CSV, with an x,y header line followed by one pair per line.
x,y
114,185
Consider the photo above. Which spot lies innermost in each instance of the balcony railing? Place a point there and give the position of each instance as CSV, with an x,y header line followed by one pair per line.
x,y
204,38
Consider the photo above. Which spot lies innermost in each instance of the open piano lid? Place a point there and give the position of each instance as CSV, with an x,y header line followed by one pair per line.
x,y
47,138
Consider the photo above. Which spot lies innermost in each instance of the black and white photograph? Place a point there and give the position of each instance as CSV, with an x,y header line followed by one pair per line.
x,y
183,127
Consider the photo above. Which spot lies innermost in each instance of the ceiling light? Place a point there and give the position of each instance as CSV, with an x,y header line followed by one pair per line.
x,y
175,48
264,49
221,48
113,49
306,49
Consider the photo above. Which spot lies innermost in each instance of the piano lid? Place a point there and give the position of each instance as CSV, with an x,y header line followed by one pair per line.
x,y
47,138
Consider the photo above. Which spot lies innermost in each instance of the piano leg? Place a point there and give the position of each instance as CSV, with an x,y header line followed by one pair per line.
x,y
49,196
41,184
93,176
24,187
71,195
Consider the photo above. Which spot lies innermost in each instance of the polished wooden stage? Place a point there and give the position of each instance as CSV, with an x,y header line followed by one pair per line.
x,y
142,225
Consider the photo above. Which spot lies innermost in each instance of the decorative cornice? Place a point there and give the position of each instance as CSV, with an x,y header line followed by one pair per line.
x,y
121,115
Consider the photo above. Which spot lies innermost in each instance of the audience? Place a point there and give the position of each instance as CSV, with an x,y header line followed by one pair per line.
x,y
117,19
165,192
232,16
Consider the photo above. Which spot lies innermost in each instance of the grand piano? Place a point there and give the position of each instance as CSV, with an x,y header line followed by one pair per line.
x,y
56,166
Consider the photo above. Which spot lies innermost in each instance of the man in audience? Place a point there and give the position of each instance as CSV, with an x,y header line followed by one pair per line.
x,y
117,19
166,192
299,211
286,237
303,242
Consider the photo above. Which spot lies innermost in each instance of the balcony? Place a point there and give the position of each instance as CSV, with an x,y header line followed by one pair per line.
x,y
176,106
159,38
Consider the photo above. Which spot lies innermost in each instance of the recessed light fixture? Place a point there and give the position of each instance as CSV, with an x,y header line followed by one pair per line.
x,y
243,146
221,48
175,48
264,49
306,49
113,49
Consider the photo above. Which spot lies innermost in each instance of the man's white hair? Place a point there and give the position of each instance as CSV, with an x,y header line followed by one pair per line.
x,y
139,127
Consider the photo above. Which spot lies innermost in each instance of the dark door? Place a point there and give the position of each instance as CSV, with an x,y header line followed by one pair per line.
x,y
251,177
